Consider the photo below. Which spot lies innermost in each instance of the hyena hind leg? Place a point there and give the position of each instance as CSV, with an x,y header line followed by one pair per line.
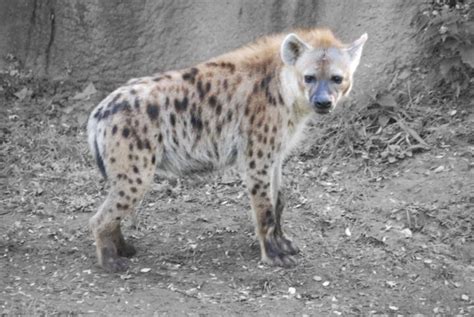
x,y
124,196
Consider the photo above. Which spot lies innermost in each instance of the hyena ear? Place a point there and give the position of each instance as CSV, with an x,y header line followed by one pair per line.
x,y
355,51
292,48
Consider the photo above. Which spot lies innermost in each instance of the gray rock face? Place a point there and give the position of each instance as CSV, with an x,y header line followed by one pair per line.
x,y
108,42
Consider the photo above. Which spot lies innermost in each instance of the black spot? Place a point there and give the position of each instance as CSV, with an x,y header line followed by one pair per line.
x,y
145,129
255,88
219,109
175,140
181,105
126,132
133,189
229,115
216,149
121,106
268,220
191,75
121,193
160,138
157,79
112,160
260,153
200,90
105,114
130,147
135,169
153,159
196,122
137,103
255,189
252,119
265,82
247,111
117,97
139,144
252,164
133,91
152,111
139,181
114,129
97,114
172,119
280,99
225,84
212,101
263,194
147,144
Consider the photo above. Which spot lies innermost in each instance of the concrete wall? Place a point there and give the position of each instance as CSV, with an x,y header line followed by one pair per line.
x,y
108,42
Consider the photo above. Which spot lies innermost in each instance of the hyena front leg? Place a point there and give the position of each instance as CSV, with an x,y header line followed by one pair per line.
x,y
275,248
279,201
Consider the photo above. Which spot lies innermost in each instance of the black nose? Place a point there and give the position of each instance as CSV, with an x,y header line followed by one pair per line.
x,y
323,104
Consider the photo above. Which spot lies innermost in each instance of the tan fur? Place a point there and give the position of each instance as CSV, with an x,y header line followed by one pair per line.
x,y
248,107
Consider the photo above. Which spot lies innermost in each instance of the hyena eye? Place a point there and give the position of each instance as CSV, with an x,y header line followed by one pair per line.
x,y
336,79
309,79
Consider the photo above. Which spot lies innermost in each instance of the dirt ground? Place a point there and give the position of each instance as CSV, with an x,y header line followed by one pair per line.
x,y
376,238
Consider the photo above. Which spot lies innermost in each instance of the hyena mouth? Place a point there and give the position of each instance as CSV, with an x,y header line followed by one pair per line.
x,y
323,111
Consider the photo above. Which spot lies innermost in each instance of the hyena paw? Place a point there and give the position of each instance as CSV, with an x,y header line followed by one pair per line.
x,y
113,263
126,250
279,251
286,245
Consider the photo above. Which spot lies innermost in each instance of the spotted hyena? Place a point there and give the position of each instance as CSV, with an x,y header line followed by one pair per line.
x,y
247,107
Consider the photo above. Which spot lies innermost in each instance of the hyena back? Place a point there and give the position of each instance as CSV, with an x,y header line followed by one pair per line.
x,y
247,107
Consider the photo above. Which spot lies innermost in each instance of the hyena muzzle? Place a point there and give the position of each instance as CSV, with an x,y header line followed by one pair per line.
x,y
247,107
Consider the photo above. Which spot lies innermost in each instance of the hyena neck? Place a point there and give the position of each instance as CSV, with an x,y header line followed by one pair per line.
x,y
300,109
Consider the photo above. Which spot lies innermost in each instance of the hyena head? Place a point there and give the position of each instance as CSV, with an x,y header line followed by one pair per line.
x,y
324,74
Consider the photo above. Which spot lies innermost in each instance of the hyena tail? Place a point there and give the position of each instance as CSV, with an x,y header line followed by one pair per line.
x,y
99,160
94,145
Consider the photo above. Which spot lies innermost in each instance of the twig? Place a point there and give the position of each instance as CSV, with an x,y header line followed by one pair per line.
x,y
411,132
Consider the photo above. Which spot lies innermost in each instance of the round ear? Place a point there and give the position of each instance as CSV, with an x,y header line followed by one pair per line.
x,y
355,51
292,48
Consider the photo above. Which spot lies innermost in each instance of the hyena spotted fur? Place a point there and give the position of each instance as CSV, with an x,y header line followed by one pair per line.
x,y
247,107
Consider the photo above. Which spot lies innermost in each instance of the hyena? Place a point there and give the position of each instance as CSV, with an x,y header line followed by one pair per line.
x,y
247,107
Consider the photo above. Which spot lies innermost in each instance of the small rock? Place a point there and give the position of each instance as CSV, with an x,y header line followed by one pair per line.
x,y
326,283
439,169
464,297
348,232
145,270
22,94
407,233
292,291
317,278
